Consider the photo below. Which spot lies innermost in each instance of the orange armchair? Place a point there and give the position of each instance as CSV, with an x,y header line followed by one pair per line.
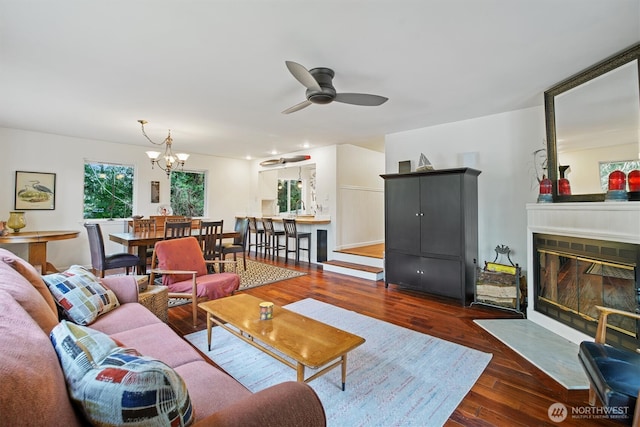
x,y
184,271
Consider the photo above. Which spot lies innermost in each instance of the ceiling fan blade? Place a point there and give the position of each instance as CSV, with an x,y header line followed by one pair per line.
x,y
302,75
360,99
300,106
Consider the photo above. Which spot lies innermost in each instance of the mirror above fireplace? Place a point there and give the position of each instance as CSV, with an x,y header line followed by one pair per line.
x,y
591,118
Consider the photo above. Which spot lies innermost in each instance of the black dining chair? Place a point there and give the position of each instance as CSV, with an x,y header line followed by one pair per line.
x,y
239,243
210,239
293,235
100,262
177,229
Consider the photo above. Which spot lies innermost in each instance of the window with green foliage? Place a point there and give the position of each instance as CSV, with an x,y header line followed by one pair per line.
x,y
607,167
108,190
187,193
289,195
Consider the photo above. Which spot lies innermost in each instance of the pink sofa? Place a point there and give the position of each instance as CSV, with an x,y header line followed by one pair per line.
x,y
34,391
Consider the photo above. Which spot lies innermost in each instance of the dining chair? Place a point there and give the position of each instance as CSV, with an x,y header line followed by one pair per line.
x,y
258,233
272,236
293,235
239,243
184,271
177,229
143,226
613,372
210,239
100,261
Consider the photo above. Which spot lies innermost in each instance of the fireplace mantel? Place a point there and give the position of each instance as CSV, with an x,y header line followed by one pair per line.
x,y
612,221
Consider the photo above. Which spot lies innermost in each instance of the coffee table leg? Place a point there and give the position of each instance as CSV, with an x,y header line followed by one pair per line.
x,y
300,372
209,327
344,371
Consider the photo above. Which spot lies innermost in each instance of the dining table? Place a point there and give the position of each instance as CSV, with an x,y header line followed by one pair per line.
x,y
37,241
142,240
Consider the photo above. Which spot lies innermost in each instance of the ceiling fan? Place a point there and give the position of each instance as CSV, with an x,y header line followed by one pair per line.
x,y
320,90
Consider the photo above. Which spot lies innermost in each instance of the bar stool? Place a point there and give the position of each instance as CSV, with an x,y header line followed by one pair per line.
x,y
291,232
258,233
272,238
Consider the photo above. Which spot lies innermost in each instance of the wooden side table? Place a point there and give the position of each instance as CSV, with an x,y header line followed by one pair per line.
x,y
156,299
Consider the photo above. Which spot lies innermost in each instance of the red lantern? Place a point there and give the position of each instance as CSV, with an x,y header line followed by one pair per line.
x,y
617,181
634,180
545,185
564,187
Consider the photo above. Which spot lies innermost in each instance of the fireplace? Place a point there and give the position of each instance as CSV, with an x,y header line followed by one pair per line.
x,y
581,255
574,275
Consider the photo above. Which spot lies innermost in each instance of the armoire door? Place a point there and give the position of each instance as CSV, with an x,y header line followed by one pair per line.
x,y
441,227
402,214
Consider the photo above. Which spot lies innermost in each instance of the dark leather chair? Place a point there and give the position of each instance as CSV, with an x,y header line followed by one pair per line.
x,y
239,243
100,262
613,373
293,235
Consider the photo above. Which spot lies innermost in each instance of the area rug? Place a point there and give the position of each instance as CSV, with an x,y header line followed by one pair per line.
x,y
398,377
256,274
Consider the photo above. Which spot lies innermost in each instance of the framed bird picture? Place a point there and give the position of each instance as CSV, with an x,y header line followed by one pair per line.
x,y
35,191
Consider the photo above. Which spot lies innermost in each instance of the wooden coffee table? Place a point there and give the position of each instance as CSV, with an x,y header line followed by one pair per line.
x,y
309,343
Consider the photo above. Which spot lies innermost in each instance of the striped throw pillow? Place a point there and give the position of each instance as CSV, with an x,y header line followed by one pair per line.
x,y
80,294
116,386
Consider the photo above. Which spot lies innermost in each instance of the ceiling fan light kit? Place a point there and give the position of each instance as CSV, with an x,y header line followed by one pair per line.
x,y
320,90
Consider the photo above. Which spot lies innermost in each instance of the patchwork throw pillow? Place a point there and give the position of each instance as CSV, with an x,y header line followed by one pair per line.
x,y
80,294
116,386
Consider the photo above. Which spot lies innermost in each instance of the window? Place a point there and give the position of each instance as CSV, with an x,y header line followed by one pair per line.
x,y
108,190
187,193
289,195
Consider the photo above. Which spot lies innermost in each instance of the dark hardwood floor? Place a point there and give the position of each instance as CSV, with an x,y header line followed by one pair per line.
x,y
510,392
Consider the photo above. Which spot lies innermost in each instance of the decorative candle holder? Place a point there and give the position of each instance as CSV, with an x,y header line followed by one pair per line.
x,y
617,187
266,310
545,195
633,179
16,221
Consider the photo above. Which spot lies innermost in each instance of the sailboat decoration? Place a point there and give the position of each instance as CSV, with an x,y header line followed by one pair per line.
x,y
424,164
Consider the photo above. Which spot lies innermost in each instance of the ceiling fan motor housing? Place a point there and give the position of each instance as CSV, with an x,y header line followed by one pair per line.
x,y
324,77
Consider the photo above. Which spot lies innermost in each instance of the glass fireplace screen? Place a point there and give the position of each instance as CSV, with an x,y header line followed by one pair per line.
x,y
578,284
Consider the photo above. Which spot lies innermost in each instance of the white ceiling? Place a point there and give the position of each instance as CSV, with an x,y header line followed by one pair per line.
x,y
214,73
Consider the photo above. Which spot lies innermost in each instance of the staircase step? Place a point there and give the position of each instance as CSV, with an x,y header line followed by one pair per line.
x,y
353,269
354,266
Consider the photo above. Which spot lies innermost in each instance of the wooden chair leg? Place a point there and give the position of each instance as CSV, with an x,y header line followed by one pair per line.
x,y
194,306
592,395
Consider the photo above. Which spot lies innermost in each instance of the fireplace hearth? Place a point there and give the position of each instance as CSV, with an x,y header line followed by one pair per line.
x,y
614,230
573,275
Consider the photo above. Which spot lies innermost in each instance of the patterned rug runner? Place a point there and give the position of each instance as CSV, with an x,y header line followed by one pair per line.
x,y
398,377
257,274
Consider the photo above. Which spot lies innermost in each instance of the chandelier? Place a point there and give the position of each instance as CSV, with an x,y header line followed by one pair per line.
x,y
171,160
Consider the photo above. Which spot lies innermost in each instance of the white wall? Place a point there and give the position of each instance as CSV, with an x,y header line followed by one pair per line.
x,y
501,146
227,185
360,196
